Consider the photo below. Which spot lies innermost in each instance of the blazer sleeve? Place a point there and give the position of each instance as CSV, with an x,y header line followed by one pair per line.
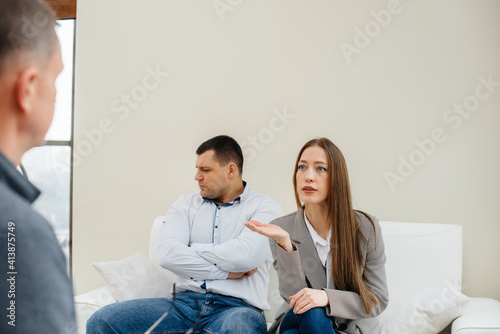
x,y
348,304
291,277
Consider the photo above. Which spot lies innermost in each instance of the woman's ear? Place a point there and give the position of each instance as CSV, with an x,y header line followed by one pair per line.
x,y
25,89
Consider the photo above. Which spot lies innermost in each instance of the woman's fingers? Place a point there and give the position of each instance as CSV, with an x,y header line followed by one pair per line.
x,y
268,230
306,299
272,231
255,226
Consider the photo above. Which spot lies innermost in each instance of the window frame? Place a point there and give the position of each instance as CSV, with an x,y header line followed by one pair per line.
x,y
65,9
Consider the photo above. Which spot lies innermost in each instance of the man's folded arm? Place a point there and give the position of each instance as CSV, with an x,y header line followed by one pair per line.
x,y
174,252
247,251
237,255
186,262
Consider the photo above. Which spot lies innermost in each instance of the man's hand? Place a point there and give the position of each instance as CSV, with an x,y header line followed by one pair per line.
x,y
306,299
242,275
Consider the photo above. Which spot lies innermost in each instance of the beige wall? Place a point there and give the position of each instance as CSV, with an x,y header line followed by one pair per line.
x,y
156,78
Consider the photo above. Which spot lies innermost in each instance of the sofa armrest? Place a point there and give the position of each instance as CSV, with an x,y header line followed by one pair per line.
x,y
86,304
480,316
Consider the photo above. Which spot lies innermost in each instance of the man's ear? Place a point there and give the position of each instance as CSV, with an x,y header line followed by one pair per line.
x,y
25,89
232,169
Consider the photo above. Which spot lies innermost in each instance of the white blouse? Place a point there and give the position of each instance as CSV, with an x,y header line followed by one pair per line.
x,y
323,249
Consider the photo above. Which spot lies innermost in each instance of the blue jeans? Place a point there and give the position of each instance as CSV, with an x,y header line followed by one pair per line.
x,y
200,312
312,322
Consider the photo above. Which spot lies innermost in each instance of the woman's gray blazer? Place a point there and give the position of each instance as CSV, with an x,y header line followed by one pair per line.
x,y
302,268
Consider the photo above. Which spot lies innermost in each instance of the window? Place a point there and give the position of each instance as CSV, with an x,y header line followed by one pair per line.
x,y
48,167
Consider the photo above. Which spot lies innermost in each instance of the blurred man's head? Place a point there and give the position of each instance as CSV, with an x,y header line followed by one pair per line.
x,y
30,61
26,32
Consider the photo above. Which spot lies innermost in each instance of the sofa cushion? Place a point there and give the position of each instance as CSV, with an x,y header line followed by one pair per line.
x,y
419,254
427,311
135,277
481,316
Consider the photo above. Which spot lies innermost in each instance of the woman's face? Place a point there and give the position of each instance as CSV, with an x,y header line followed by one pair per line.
x,y
312,176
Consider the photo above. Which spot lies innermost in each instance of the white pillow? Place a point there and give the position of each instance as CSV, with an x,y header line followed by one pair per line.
x,y
135,277
428,311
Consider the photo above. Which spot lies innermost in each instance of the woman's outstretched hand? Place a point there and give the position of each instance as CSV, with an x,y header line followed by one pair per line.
x,y
272,231
306,299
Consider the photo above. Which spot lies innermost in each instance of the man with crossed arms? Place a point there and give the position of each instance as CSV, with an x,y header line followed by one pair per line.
x,y
221,266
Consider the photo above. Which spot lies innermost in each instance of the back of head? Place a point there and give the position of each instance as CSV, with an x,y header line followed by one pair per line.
x,y
226,150
26,30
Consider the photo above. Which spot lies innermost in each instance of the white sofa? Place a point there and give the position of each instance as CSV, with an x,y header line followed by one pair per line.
x,y
424,271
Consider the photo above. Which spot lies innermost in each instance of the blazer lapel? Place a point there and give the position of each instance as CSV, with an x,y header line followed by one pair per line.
x,y
311,264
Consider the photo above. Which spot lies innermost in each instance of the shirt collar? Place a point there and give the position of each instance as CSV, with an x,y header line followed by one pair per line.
x,y
317,239
236,200
17,182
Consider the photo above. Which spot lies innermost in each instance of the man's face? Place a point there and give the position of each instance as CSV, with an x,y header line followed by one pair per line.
x,y
212,178
46,95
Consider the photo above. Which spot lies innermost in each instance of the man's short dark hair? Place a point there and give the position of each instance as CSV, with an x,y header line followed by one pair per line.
x,y
26,26
226,150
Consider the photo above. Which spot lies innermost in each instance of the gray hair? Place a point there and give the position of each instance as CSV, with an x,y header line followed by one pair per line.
x,y
26,26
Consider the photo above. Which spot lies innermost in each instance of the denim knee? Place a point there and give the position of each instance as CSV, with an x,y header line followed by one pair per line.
x,y
243,320
313,321
98,324
315,314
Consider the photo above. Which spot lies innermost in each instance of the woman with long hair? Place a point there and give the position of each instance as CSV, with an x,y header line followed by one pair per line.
x,y
329,257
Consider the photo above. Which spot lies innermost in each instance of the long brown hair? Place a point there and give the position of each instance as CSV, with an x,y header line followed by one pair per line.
x,y
347,259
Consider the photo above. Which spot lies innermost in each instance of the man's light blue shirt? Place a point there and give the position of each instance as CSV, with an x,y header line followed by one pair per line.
x,y
202,242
